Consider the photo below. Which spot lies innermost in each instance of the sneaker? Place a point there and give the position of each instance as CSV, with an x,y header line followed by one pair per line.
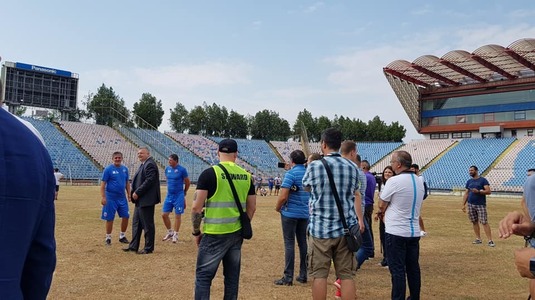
x,y
423,233
337,285
283,281
175,238
108,242
491,244
124,240
476,242
167,236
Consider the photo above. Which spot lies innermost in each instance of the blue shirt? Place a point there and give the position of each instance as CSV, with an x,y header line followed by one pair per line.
x,y
116,179
370,188
297,205
325,220
474,198
175,179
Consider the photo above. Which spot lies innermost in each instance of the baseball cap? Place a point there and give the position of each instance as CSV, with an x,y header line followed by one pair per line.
x,y
228,146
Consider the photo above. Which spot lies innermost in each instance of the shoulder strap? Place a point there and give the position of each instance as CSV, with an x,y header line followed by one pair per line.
x,y
336,196
236,198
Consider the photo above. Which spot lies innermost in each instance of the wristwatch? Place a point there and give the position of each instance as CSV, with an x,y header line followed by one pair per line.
x,y
532,265
199,233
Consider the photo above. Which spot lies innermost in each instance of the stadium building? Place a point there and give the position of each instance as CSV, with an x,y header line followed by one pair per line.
x,y
487,93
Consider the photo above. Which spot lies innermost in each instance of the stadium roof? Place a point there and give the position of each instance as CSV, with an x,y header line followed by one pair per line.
x,y
456,68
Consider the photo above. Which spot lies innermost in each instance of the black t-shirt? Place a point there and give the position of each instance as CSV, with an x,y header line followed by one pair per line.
x,y
208,182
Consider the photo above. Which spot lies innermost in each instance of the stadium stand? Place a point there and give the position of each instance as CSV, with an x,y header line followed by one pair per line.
x,y
257,153
285,148
162,146
101,141
422,152
65,156
375,151
512,172
451,170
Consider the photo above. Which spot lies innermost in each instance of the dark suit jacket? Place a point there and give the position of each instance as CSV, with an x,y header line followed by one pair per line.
x,y
146,184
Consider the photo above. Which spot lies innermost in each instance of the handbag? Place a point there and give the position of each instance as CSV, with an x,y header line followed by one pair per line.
x,y
246,228
352,234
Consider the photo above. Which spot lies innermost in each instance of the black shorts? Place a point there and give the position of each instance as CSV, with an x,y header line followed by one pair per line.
x,y
57,188
277,187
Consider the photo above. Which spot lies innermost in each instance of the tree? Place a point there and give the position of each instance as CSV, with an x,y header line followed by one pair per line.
x,y
310,124
216,120
237,125
323,123
377,130
396,132
106,106
149,112
197,117
179,118
267,125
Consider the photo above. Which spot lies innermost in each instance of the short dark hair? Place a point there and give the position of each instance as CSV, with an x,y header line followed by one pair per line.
x,y
404,158
332,137
531,170
348,146
365,165
56,170
475,168
116,153
173,157
415,166
359,159
298,157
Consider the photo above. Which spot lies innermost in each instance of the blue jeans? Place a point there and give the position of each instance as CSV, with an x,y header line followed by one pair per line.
x,y
366,249
403,254
292,229
212,250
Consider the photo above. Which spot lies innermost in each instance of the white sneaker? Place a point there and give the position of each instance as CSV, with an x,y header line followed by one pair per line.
x,y
167,236
175,238
423,233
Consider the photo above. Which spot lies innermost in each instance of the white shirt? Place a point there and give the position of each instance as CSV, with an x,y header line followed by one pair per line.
x,y
405,193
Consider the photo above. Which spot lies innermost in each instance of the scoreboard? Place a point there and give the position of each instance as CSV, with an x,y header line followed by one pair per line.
x,y
31,85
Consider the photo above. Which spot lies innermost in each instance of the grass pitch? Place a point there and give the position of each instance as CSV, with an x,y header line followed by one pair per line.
x,y
452,268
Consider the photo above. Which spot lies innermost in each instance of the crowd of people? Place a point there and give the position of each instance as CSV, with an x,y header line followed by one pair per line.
x,y
224,203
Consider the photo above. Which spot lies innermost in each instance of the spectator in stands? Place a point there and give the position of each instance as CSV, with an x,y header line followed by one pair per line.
x,y
271,183
27,213
477,189
416,169
177,187
113,185
58,176
388,172
401,201
145,195
277,180
293,207
327,244
522,223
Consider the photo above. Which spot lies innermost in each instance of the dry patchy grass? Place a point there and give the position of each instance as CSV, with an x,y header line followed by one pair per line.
x,y
452,268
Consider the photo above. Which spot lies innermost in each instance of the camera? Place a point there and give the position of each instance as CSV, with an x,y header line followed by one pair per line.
x,y
281,165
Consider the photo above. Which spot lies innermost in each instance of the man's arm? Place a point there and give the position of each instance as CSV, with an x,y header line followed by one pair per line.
x,y
250,206
358,209
196,210
485,190
465,199
103,192
187,183
128,194
522,261
283,197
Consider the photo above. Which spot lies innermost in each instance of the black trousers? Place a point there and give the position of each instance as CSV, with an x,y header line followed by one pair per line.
x,y
143,221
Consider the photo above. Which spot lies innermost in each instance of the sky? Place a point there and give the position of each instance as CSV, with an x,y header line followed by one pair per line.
x,y
285,56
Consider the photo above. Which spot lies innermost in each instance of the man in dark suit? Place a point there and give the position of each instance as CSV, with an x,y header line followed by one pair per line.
x,y
145,195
